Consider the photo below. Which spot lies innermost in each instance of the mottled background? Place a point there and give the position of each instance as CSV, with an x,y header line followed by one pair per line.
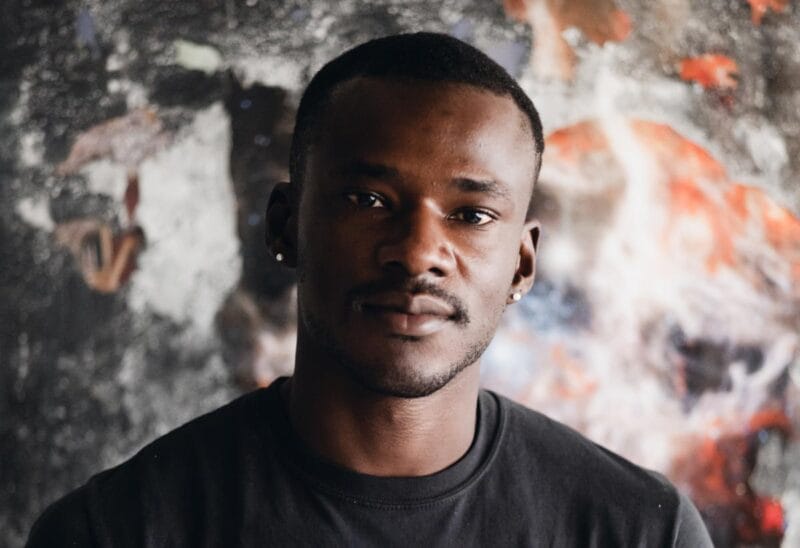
x,y
139,141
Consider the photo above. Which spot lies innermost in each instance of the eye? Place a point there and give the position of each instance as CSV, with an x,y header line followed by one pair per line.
x,y
365,199
475,217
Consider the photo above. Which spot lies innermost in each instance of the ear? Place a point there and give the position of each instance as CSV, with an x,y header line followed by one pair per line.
x,y
526,260
281,223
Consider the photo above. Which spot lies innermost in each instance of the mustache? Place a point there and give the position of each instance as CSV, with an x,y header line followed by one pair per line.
x,y
414,287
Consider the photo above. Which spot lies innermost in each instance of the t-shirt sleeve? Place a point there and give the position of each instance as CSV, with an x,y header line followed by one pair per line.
x,y
690,531
65,523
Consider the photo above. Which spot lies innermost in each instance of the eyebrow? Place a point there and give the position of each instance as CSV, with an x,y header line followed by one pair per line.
x,y
360,168
484,186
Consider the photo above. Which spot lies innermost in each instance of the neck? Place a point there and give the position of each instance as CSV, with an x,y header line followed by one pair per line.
x,y
373,433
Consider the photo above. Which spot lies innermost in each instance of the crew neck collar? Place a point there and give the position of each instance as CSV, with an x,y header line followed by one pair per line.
x,y
379,491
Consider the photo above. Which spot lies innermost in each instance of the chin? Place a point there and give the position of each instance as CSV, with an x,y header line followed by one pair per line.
x,y
400,380
405,373
393,365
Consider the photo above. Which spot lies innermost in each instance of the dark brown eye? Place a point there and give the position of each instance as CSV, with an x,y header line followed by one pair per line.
x,y
475,217
365,199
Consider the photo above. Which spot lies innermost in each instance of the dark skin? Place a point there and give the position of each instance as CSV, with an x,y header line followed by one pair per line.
x,y
410,238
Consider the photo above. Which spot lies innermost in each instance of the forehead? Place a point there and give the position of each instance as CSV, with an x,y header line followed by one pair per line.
x,y
420,125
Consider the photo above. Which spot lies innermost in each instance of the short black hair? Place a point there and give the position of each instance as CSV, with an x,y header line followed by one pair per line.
x,y
423,56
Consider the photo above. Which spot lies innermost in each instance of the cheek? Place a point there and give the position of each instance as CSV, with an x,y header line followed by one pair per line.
x,y
490,264
332,253
491,273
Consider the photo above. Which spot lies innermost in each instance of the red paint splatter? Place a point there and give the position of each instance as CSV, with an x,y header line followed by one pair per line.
x,y
712,71
770,513
759,8
717,470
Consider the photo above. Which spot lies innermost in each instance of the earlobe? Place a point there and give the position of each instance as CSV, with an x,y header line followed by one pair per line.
x,y
280,233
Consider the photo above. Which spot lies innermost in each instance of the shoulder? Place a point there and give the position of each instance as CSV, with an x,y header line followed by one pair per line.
x,y
64,523
170,472
557,448
585,479
195,447
202,434
203,447
690,531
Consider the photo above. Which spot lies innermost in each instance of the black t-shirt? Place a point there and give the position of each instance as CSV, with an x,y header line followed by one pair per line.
x,y
240,477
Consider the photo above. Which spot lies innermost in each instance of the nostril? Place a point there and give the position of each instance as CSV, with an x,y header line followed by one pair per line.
x,y
396,269
406,269
417,248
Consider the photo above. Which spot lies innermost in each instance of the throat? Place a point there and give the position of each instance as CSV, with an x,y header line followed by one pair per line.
x,y
381,435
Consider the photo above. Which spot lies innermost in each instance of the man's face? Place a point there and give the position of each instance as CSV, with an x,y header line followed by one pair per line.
x,y
411,229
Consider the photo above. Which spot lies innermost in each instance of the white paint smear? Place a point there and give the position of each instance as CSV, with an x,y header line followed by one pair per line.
x,y
188,213
197,56
36,212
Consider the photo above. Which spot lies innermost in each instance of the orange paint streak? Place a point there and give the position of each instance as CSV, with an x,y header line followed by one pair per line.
x,y
127,139
710,71
759,8
516,9
126,248
781,227
600,21
687,198
668,145
737,198
684,164
770,419
706,469
571,144
697,186
621,26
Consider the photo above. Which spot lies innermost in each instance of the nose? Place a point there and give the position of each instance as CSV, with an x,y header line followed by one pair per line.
x,y
418,244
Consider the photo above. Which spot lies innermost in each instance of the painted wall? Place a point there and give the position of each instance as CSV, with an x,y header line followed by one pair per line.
x,y
140,140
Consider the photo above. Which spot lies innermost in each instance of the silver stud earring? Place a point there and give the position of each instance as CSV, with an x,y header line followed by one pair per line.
x,y
279,257
516,296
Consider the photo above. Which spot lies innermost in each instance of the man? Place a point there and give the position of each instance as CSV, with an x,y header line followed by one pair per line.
x,y
412,167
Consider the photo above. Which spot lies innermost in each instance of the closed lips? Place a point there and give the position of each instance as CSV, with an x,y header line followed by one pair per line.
x,y
404,303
